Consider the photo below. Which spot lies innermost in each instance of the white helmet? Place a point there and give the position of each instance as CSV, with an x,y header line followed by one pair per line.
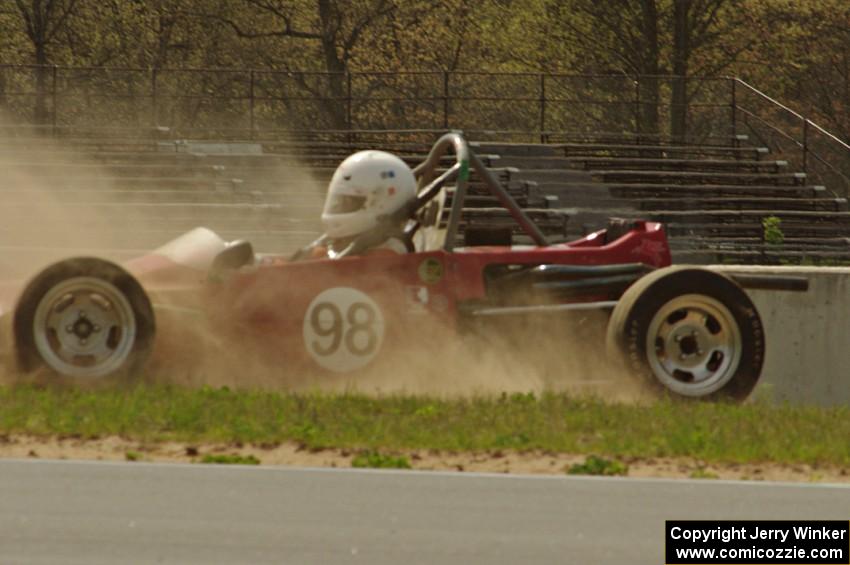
x,y
365,186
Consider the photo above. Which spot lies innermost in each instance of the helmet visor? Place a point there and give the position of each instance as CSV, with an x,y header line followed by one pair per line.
x,y
345,203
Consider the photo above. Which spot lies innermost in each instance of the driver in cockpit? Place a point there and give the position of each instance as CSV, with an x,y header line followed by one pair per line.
x,y
366,192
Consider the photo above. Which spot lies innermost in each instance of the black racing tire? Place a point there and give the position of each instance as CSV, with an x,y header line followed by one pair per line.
x,y
83,321
688,332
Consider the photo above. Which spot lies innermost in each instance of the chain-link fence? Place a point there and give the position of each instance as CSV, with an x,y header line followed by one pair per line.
x,y
256,102
541,107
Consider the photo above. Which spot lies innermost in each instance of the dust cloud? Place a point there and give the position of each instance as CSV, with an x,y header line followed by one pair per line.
x,y
119,198
116,199
555,353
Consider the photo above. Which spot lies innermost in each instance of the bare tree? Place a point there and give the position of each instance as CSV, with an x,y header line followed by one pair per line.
x,y
621,36
333,26
701,26
802,57
42,20
634,37
6,15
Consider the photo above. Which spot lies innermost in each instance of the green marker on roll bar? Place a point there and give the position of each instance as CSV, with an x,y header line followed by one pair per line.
x,y
463,173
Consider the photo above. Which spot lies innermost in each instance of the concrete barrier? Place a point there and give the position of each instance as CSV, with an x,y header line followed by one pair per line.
x,y
807,336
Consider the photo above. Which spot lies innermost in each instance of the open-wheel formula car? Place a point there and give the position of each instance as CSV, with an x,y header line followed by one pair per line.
x,y
690,331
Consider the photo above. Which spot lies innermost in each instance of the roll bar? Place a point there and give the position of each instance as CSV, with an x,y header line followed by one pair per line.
x,y
464,156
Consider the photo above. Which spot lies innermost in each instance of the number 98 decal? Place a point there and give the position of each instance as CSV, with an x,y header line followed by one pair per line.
x,y
343,329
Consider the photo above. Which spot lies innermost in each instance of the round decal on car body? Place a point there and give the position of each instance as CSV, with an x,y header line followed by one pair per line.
x,y
343,329
430,270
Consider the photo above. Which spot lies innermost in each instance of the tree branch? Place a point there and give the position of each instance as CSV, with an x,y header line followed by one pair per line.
x,y
28,20
50,34
381,9
628,63
700,26
287,31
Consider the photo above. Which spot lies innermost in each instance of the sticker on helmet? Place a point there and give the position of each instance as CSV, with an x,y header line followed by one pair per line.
x,y
430,271
343,329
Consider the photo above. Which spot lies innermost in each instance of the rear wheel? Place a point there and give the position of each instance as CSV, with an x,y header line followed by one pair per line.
x,y
690,332
86,320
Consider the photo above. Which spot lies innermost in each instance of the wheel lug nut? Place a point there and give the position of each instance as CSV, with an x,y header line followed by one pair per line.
x,y
69,329
81,314
83,341
678,338
96,328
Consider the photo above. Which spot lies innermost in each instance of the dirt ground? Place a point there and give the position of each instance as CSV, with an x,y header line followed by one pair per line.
x,y
290,454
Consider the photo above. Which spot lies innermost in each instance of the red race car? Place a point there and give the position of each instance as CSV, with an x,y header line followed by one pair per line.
x,y
349,308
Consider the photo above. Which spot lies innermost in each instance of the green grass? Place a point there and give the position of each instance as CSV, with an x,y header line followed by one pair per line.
x,y
595,465
554,422
377,460
230,459
703,473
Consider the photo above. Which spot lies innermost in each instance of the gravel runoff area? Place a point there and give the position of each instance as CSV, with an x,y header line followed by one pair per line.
x,y
294,455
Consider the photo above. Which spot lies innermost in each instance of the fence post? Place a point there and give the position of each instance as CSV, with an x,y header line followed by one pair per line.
x,y
446,100
542,108
251,100
348,110
638,109
154,108
805,145
3,101
734,107
55,105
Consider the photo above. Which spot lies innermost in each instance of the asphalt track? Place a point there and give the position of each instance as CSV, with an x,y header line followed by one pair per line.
x,y
78,512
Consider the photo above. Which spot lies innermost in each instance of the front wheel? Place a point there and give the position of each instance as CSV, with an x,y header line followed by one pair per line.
x,y
690,332
85,320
